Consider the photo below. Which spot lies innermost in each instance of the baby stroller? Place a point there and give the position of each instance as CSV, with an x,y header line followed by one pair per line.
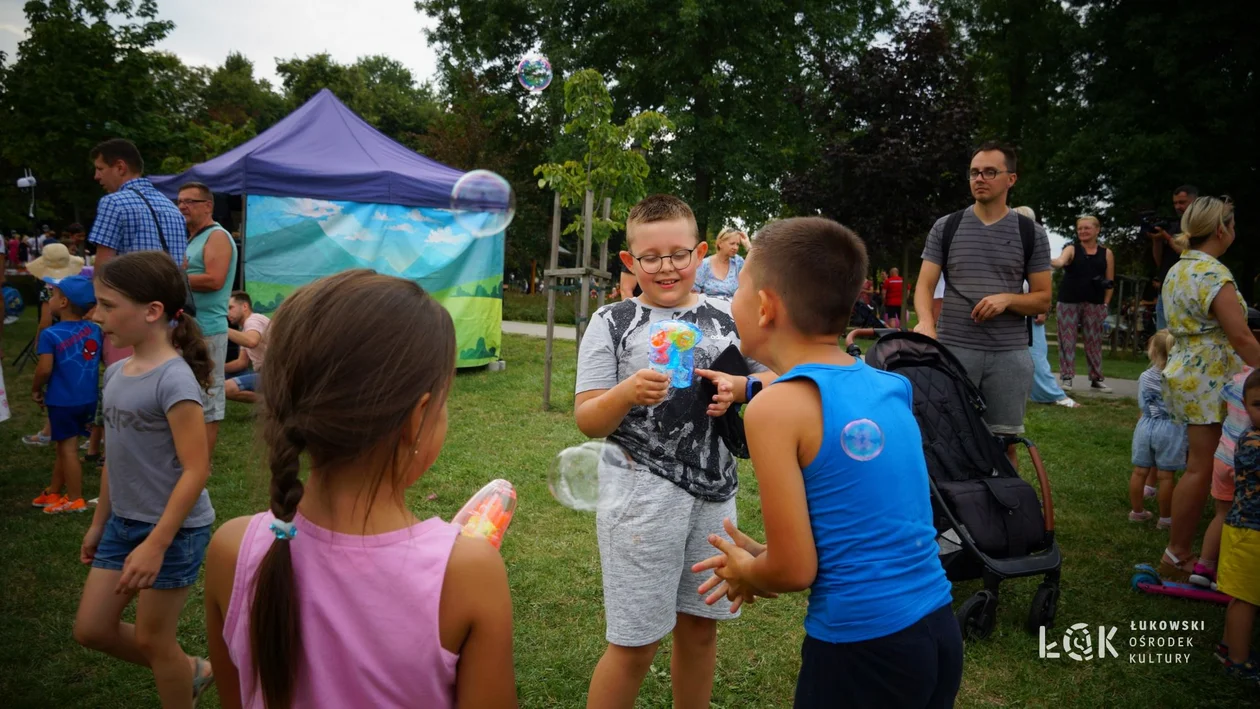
x,y
990,524
865,316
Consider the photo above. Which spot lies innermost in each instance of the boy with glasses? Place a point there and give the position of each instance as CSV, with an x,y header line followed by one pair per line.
x,y
684,475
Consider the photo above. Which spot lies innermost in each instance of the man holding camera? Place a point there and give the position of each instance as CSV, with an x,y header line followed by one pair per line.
x,y
1163,249
1084,299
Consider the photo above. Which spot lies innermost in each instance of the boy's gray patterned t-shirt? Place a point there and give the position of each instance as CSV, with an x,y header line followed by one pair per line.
x,y
664,438
140,455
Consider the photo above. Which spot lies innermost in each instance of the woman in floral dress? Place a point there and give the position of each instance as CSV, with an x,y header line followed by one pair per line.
x,y
1208,319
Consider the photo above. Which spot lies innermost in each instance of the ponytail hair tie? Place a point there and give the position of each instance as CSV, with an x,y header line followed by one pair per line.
x,y
284,531
175,318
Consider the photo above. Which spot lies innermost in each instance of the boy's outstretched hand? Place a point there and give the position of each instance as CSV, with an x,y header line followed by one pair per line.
x,y
725,396
729,576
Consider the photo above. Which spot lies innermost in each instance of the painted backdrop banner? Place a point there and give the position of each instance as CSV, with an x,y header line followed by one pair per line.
x,y
291,241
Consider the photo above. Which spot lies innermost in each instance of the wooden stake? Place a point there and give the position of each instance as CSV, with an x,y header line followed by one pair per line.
x,y
551,300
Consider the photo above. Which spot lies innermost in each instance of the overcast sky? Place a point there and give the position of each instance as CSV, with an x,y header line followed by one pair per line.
x,y
264,30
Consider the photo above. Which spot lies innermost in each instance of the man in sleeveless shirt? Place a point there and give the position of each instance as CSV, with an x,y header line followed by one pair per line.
x,y
211,267
983,316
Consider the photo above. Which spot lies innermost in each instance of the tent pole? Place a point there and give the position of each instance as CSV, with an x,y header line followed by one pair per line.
x,y
244,218
549,282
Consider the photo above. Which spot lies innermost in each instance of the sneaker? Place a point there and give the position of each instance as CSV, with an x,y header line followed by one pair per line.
x,y
1140,516
1148,492
1248,671
1100,387
1066,383
65,506
36,439
1164,523
46,498
1203,576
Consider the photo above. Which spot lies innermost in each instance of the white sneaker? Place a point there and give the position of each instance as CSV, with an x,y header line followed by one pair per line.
x,y
1100,387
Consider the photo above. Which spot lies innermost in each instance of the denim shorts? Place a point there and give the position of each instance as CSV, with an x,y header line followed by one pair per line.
x,y
70,421
1159,443
180,565
247,381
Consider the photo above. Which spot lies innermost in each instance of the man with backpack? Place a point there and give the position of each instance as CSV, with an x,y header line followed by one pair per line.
x,y
985,253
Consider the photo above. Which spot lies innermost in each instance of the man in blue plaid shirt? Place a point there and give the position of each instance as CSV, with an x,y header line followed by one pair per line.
x,y
124,222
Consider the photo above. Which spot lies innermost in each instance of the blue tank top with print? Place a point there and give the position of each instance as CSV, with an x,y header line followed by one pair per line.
x,y
869,508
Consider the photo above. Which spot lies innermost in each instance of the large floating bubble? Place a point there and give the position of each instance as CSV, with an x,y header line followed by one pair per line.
x,y
483,203
596,476
534,72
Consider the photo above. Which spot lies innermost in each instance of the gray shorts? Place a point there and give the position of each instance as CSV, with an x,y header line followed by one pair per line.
x,y
646,549
1004,378
213,400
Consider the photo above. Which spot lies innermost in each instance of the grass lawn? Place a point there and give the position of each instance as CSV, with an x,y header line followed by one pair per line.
x,y
553,565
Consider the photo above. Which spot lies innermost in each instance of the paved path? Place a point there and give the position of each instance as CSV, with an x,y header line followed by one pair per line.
x,y
536,329
1080,388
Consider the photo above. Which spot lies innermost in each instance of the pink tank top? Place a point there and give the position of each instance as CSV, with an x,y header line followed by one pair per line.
x,y
369,610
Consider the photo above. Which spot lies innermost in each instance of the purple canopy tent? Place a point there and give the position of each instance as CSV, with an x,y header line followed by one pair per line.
x,y
324,151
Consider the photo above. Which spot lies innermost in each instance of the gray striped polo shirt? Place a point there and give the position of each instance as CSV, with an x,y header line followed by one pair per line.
x,y
984,260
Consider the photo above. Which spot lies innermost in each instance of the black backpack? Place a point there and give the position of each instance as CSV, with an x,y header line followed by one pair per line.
x,y
1027,234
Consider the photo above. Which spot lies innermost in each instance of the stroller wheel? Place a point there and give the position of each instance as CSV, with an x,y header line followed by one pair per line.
x,y
977,616
1045,604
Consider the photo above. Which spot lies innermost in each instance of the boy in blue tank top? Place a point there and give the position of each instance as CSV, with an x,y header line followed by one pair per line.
x,y
843,486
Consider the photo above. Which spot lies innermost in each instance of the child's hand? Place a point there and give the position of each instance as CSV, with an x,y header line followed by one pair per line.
x,y
647,387
87,551
141,568
729,569
725,384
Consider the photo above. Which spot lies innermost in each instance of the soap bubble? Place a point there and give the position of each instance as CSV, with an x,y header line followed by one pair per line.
x,y
534,72
596,476
483,203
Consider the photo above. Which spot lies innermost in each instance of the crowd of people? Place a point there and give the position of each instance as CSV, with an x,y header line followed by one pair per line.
x,y
293,620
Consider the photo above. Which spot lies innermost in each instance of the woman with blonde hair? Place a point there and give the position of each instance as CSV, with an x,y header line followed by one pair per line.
x,y
719,274
1084,298
1208,320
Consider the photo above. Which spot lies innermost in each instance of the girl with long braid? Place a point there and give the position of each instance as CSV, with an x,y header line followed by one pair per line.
x,y
338,596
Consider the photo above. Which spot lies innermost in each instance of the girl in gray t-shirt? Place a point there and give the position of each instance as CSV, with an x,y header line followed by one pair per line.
x,y
152,523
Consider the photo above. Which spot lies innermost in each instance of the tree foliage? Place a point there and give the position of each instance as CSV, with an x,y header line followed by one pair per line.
x,y
896,125
725,73
613,161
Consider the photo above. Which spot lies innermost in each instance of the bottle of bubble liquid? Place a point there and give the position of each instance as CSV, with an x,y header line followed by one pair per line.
x,y
488,513
672,351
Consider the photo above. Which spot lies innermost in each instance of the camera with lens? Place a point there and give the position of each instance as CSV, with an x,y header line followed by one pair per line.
x,y
1150,222
1103,283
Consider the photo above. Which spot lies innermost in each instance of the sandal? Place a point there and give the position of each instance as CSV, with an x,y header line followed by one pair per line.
x,y
201,678
1170,568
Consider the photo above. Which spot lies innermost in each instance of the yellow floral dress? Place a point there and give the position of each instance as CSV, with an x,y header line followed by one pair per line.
x,y
1201,361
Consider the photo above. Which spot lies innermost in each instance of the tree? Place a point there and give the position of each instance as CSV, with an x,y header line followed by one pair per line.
x,y
77,80
611,163
724,72
896,128
1143,97
233,96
